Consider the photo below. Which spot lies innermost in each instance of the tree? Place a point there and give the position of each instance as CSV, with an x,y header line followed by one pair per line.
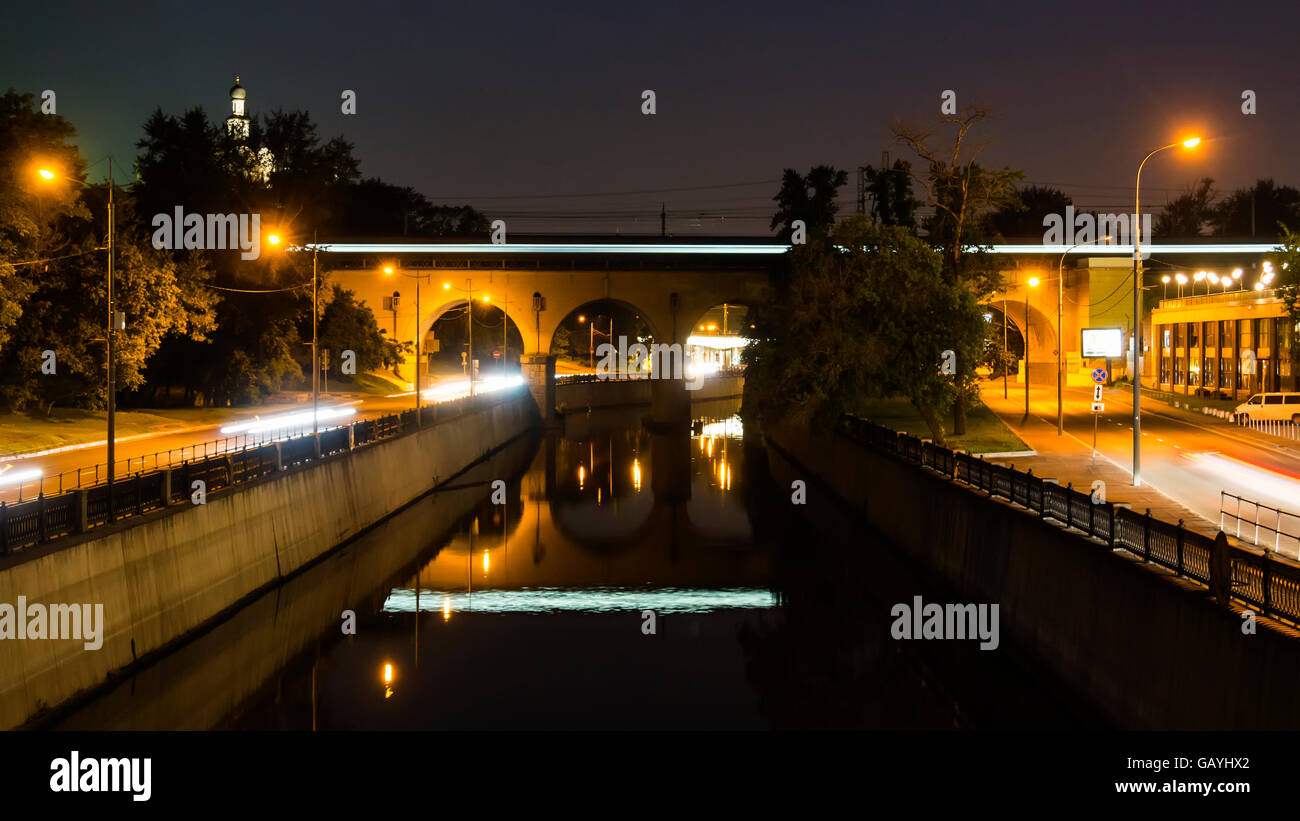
x,y
347,324
962,192
870,317
810,198
1024,216
1260,209
1288,287
1187,215
373,207
890,189
32,211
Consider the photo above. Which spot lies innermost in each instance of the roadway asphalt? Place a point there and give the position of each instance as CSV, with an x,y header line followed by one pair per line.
x,y
1190,458
85,459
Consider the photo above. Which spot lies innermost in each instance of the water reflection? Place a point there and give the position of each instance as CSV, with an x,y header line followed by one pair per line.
x,y
620,578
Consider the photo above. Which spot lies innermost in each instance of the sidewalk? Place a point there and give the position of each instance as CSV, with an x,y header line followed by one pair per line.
x,y
1069,461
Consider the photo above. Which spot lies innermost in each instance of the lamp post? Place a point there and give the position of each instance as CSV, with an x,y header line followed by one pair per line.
x,y
49,176
1137,308
468,290
1060,300
1164,280
389,270
1032,283
1181,279
1005,376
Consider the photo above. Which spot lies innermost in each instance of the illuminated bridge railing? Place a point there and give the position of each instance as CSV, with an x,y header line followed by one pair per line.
x,y
52,516
1264,580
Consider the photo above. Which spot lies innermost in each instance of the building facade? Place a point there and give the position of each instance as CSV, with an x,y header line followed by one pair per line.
x,y
1227,346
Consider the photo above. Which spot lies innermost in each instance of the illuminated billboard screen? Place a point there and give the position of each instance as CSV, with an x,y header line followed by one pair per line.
x,y
1103,342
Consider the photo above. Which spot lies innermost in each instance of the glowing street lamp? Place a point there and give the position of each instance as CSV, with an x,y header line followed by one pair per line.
x,y
115,322
1165,281
1181,279
1136,334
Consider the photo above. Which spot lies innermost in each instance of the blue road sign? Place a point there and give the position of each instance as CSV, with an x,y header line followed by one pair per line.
x,y
1098,375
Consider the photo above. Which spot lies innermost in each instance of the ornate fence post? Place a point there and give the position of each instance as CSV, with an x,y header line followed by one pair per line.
x,y
1146,536
40,517
1180,547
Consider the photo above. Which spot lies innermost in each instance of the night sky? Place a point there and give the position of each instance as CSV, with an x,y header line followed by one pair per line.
x,y
515,107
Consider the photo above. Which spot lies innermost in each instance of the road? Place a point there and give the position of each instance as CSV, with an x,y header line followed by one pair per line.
x,y
91,458
1188,459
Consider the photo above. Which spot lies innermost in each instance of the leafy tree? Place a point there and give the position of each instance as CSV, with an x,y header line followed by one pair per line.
x,y
32,211
1024,216
1262,207
892,202
1188,215
347,324
810,198
373,207
1288,287
871,317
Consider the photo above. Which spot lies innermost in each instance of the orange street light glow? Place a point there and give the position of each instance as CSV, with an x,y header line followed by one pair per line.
x,y
47,174
1192,142
1033,282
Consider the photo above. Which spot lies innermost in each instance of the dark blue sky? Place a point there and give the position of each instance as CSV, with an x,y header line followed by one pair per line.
x,y
486,102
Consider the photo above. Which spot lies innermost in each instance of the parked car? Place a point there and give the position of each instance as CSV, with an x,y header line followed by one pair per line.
x,y
1276,407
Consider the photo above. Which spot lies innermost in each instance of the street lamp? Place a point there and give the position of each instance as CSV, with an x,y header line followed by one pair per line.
x,y
1164,280
1060,300
1191,142
1198,277
1181,280
114,320
1033,283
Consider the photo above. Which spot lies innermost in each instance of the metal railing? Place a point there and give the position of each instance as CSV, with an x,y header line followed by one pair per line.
x,y
1273,427
1264,580
51,516
90,475
1289,538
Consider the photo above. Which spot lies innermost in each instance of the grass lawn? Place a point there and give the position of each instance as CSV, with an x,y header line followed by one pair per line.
x,y
985,432
23,433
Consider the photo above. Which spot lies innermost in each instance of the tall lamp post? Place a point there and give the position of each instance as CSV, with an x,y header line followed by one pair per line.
x,y
1060,299
48,175
1032,283
389,270
468,290
1136,332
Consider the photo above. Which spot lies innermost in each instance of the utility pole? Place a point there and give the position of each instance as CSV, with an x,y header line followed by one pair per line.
x,y
663,219
112,329
315,354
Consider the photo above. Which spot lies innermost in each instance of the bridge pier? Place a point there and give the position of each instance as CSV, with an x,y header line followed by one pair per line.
x,y
539,374
670,405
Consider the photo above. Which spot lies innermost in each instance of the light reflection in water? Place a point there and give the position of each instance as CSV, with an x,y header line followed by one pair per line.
x,y
589,600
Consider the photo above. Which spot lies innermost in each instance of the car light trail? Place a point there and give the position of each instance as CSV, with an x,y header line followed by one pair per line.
x,y
1250,477
14,477
289,420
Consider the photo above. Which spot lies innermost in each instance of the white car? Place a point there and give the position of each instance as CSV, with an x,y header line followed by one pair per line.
x,y
1273,407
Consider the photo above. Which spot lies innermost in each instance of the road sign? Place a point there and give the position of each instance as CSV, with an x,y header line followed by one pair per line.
x,y
1098,407
1098,375
1096,393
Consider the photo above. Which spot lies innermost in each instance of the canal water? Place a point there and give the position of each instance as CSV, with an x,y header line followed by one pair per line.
x,y
600,577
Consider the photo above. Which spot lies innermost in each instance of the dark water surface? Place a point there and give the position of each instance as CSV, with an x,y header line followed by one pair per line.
x,y
535,613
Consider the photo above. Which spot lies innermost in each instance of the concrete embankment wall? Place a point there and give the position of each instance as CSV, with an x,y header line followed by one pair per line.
x,y
204,682
1148,649
579,396
165,574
